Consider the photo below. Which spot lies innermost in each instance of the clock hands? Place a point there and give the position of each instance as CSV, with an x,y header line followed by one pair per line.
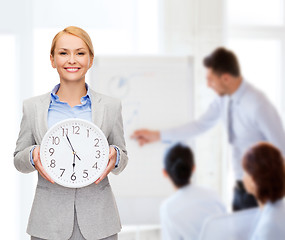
x,y
73,152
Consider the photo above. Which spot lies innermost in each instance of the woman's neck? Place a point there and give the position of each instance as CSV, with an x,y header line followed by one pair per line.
x,y
71,92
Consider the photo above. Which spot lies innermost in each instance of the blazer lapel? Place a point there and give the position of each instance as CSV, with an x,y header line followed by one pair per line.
x,y
98,109
42,107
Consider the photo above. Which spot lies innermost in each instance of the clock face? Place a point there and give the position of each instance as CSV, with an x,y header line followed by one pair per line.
x,y
74,153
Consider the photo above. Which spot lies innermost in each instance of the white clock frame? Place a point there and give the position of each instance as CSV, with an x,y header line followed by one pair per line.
x,y
74,153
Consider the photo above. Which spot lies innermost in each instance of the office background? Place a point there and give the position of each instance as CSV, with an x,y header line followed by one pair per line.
x,y
254,29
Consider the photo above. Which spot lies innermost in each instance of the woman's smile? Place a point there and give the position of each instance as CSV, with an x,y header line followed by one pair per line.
x,y
72,69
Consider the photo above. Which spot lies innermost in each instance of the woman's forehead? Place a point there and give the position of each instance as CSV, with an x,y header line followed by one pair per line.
x,y
70,42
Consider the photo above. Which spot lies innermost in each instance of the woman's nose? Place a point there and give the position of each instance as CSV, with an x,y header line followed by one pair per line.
x,y
71,59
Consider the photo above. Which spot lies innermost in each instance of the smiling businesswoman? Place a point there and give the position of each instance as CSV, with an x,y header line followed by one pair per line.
x,y
65,213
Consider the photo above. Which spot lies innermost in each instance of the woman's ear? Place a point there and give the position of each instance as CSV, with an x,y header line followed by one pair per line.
x,y
52,61
91,62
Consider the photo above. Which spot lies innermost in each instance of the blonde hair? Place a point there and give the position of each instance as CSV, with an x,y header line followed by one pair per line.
x,y
76,31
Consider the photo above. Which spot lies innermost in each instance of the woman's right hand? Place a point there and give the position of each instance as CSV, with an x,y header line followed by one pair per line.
x,y
39,166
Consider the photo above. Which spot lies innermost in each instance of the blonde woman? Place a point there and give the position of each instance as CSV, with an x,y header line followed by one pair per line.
x,y
58,212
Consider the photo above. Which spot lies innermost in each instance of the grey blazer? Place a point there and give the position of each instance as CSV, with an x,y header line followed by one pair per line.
x,y
52,213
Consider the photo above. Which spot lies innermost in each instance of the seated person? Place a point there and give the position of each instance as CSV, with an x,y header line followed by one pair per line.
x,y
265,179
183,214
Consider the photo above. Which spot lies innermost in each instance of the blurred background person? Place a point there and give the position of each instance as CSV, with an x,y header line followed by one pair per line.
x,y
264,177
247,114
183,214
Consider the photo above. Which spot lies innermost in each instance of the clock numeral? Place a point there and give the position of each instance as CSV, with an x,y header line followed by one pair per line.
x,y
85,173
52,163
51,151
63,170
95,165
55,140
73,177
98,154
96,142
75,129
64,131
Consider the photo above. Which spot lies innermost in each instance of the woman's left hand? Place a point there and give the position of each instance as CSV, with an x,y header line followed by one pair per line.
x,y
111,164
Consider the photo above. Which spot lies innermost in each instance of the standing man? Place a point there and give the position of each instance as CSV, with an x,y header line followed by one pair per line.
x,y
248,116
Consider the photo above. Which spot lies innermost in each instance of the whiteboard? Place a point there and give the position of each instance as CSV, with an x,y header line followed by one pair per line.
x,y
156,93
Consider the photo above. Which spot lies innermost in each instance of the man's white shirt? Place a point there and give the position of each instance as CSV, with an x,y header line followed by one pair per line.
x,y
254,119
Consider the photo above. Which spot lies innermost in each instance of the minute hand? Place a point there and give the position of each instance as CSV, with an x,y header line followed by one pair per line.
x,y
72,147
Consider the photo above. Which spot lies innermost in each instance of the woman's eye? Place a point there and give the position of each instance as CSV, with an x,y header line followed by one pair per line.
x,y
81,53
62,53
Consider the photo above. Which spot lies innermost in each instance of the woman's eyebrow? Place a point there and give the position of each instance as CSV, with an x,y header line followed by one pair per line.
x,y
69,49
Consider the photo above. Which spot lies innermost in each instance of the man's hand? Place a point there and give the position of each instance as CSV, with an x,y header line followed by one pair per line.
x,y
144,136
39,166
111,164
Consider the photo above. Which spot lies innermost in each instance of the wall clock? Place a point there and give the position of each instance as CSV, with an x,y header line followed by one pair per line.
x,y
74,153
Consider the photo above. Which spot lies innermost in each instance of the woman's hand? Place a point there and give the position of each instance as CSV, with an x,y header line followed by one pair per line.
x,y
111,164
39,166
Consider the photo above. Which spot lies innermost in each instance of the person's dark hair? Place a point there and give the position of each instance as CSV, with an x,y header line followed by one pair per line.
x,y
178,163
223,61
265,164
